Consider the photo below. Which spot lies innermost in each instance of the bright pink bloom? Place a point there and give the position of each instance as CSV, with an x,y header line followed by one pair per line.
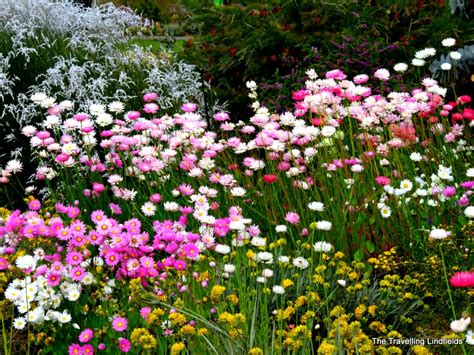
x,y
87,349
115,208
464,99
382,180
269,179
151,108
3,263
189,107
80,117
151,96
449,191
75,349
221,116
53,279
292,217
133,115
120,324
336,74
361,79
98,216
86,335
190,250
112,258
145,312
179,264
74,258
462,279
124,345
468,114
34,205
97,187
155,198
77,273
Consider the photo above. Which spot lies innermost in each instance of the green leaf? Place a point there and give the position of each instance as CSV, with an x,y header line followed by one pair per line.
x,y
370,246
359,255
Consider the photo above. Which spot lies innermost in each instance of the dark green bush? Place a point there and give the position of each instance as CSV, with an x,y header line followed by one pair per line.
x,y
267,41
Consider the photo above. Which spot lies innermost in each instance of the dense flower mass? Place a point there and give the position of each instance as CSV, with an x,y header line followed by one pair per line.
x,y
168,233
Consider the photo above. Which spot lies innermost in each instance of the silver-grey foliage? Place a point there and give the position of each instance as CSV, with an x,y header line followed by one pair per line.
x,y
109,69
458,66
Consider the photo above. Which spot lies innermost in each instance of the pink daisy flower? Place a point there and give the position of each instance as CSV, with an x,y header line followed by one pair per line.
x,y
34,205
179,264
77,228
120,324
77,273
115,208
124,345
78,240
3,263
190,250
95,238
75,349
292,217
87,349
112,258
98,216
53,279
74,258
86,335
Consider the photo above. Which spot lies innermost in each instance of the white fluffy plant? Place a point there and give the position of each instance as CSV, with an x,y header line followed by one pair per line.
x,y
90,61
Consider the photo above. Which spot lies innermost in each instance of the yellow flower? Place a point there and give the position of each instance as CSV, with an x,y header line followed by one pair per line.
x,y
177,319
154,317
301,301
378,327
394,334
318,279
337,311
372,309
394,350
250,255
420,350
255,351
359,311
314,297
327,348
233,298
187,330
176,348
203,331
287,283
216,292
288,312
353,275
235,333
137,333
